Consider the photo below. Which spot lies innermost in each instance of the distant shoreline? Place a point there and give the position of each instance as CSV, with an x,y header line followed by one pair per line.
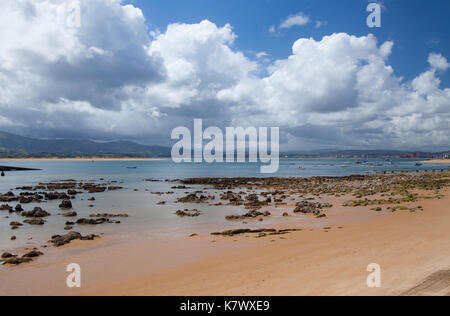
x,y
438,161
83,159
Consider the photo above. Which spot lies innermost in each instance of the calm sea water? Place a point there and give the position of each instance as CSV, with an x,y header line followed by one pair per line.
x,y
147,220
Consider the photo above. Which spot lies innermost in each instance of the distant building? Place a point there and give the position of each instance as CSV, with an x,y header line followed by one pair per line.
x,y
412,155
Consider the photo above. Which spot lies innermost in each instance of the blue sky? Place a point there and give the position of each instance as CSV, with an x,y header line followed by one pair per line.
x,y
417,27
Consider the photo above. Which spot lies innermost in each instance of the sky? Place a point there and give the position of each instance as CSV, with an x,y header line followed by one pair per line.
x,y
134,70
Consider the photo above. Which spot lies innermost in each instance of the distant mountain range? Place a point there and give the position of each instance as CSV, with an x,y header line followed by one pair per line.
x,y
366,154
17,146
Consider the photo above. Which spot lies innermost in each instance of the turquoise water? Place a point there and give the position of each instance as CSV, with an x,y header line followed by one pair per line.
x,y
166,169
147,219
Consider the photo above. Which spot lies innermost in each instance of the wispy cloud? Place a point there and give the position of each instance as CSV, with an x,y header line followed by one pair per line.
x,y
319,24
299,19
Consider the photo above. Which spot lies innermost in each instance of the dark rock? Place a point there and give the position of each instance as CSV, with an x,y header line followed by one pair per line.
x,y
6,207
36,212
18,208
66,205
70,214
114,188
193,198
35,221
251,214
17,261
56,196
106,215
98,221
188,213
59,240
6,255
33,254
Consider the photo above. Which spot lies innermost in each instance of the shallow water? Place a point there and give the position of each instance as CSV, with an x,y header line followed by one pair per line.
x,y
148,220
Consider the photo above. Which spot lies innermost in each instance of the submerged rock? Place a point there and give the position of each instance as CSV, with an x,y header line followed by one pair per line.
x,y
70,214
59,240
97,221
188,213
6,207
17,261
36,212
36,221
66,205
251,214
6,255
33,254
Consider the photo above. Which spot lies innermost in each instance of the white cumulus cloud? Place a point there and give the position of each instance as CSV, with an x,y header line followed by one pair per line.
x,y
114,78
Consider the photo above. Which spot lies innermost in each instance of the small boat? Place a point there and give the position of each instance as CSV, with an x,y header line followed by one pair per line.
x,y
418,164
131,167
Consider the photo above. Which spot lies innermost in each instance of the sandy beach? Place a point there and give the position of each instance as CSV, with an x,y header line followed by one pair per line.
x,y
327,256
438,161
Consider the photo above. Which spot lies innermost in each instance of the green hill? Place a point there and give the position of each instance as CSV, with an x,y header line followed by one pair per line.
x,y
12,145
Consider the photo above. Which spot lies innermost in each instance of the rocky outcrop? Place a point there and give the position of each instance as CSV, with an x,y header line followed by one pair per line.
x,y
249,215
97,221
188,213
70,214
36,212
308,207
65,205
61,240
106,215
193,198
35,221
6,207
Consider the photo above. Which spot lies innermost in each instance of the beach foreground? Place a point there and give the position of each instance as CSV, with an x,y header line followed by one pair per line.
x,y
326,256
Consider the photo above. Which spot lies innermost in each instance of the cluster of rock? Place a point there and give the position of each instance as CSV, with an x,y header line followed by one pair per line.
x,y
359,185
65,205
249,215
251,201
61,240
241,231
309,207
94,221
106,215
188,213
8,258
193,198
36,212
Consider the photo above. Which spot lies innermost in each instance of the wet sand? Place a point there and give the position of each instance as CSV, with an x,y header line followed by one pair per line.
x,y
411,248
